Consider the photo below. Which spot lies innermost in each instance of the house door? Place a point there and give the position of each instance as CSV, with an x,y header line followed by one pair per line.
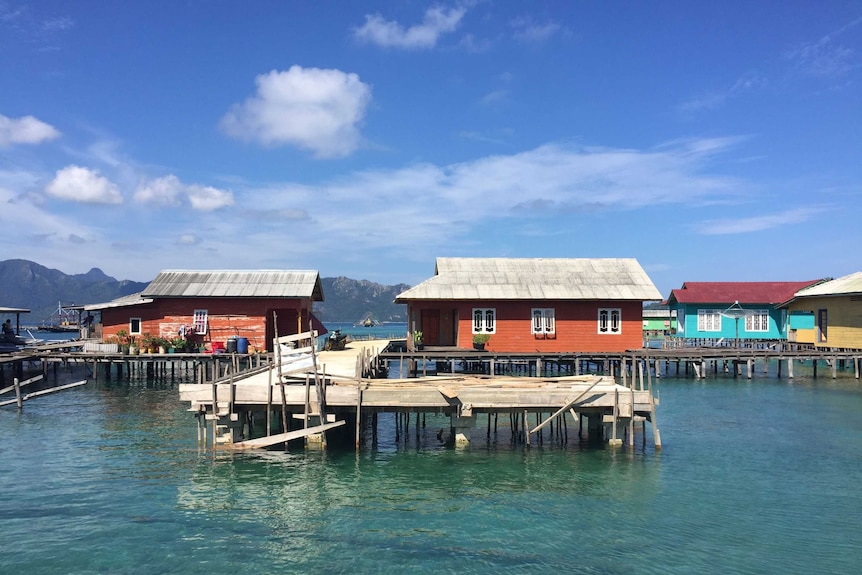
x,y
430,325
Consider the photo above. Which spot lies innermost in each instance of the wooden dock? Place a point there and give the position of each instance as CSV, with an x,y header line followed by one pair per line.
x,y
339,392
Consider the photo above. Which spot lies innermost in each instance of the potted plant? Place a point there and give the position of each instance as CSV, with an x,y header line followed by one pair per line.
x,y
417,340
479,340
123,339
133,345
148,343
176,344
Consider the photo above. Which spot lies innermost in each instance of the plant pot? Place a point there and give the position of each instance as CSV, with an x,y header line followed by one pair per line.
x,y
479,346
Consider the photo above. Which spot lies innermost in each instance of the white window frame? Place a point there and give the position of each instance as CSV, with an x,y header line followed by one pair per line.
x,y
709,320
542,321
610,321
132,320
200,321
757,320
484,320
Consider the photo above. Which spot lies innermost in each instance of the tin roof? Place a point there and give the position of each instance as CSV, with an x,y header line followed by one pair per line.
x,y
124,301
846,285
236,283
743,292
535,279
14,310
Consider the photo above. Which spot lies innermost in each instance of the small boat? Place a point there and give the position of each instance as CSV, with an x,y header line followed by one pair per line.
x,y
367,322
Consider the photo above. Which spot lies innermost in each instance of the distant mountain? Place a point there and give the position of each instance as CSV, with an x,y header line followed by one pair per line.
x,y
354,300
29,285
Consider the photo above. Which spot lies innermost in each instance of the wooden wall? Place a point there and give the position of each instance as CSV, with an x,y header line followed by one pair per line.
x,y
843,320
241,317
576,326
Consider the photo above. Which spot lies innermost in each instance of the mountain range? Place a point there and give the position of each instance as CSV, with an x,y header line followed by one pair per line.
x,y
42,290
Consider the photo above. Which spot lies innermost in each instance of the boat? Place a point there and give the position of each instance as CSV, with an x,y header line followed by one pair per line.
x,y
65,319
367,322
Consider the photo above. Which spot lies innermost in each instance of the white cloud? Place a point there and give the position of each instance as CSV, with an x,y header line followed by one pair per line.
x,y
83,185
390,34
311,108
161,191
494,97
532,33
742,225
825,57
207,198
419,205
26,130
715,99
169,190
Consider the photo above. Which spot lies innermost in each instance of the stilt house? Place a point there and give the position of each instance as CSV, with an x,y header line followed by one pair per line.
x,y
733,310
828,315
531,305
211,307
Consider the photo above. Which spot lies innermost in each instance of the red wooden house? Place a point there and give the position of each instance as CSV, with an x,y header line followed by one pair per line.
x,y
532,305
212,306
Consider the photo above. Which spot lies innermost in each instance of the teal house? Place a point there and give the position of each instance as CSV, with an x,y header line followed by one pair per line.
x,y
730,311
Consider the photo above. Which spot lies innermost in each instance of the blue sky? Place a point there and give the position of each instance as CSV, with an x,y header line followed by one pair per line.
x,y
716,141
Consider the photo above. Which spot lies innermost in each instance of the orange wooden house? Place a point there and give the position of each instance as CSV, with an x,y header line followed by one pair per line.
x,y
211,307
532,305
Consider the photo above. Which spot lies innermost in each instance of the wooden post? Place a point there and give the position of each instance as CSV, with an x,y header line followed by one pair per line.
x,y
790,367
358,409
215,411
834,367
632,418
749,365
641,376
18,398
269,402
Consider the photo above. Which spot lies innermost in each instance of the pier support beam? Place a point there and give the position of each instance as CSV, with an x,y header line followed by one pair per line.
x,y
461,426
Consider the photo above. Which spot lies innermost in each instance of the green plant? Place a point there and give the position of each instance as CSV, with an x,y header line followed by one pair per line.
x,y
122,337
481,338
417,336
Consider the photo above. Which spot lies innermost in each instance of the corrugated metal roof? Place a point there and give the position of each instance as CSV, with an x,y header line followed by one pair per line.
x,y
124,301
236,283
743,292
14,310
535,279
850,284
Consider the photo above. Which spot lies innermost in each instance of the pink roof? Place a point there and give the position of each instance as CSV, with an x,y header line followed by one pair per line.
x,y
743,292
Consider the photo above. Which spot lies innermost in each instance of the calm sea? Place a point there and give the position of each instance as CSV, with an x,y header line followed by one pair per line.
x,y
758,476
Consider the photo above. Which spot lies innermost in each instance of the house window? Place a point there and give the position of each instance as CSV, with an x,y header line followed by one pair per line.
x,y
708,320
821,325
543,321
200,321
757,320
609,320
484,320
134,325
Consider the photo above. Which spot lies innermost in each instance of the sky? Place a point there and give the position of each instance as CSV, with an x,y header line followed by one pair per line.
x,y
711,141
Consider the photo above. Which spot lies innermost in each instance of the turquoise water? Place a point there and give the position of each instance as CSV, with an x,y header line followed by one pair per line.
x,y
755,476
394,330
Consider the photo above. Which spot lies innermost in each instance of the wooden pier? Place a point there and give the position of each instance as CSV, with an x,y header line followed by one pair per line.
x,y
341,391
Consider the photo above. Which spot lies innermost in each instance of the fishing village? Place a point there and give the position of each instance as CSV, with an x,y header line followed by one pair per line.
x,y
547,348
